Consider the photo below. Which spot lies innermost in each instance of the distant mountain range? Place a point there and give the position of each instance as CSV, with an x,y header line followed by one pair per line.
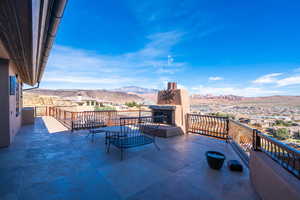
x,y
221,97
135,90
149,96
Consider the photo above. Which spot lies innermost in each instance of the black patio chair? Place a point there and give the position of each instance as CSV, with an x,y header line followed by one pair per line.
x,y
132,133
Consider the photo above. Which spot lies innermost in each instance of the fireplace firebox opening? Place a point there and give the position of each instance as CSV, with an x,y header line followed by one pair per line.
x,y
167,116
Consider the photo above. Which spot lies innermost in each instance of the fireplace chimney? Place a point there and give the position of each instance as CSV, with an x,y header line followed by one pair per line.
x,y
172,85
174,105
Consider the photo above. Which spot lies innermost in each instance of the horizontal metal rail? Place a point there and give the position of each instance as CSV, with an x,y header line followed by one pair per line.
x,y
87,119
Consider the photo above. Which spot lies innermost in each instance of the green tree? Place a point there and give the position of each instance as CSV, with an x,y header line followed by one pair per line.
x,y
218,114
281,134
100,108
283,123
132,104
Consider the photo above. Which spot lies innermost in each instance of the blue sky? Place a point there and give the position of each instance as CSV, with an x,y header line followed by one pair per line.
x,y
248,48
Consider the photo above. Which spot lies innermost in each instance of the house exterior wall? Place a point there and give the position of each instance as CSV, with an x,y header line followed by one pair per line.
x,y
10,122
15,120
240,132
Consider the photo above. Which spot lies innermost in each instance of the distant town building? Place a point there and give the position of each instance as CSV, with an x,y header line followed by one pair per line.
x,y
88,101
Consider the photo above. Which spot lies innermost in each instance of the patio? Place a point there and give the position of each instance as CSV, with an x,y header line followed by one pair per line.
x,y
48,162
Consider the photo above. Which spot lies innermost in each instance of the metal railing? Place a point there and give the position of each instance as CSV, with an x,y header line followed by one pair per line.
x,y
44,110
286,156
40,111
208,125
87,119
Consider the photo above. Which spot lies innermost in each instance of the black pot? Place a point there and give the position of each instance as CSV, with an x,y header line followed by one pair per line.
x,y
215,159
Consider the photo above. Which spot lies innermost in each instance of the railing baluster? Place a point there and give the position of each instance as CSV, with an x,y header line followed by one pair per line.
x,y
208,125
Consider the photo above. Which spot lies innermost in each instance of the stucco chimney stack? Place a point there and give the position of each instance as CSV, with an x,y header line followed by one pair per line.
x,y
169,85
172,85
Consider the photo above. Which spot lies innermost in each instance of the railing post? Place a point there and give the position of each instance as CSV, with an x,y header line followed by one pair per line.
x,y
109,118
72,121
139,115
253,140
256,140
187,123
72,128
227,129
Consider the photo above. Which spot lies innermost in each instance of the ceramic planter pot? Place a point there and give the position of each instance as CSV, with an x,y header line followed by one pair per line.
x,y
215,159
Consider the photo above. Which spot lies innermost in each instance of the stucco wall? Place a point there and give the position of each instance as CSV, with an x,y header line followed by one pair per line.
x,y
241,134
10,123
238,130
270,180
15,121
182,103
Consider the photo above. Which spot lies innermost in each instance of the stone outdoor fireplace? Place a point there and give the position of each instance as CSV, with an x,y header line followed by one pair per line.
x,y
173,104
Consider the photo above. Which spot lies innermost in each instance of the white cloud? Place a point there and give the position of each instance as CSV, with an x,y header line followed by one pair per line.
x,y
269,78
247,91
272,78
215,78
293,80
68,65
90,80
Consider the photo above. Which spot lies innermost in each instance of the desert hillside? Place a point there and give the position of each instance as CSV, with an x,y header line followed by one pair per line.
x,y
57,97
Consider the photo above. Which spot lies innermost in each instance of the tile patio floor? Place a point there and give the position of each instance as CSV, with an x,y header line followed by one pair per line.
x,y
63,165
